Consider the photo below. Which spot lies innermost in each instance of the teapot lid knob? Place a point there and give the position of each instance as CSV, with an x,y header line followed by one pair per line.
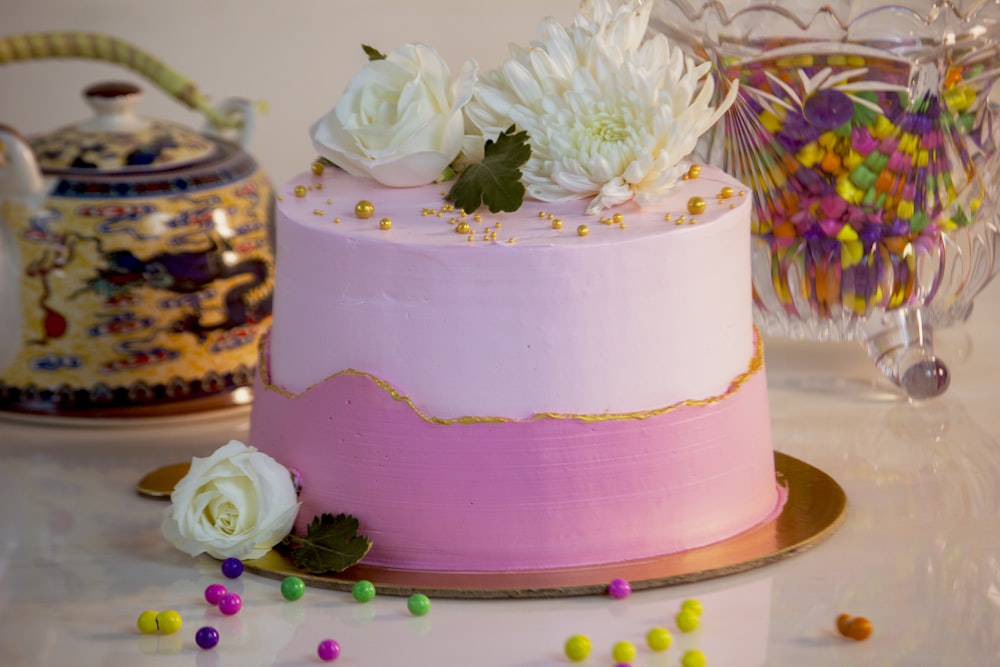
x,y
114,103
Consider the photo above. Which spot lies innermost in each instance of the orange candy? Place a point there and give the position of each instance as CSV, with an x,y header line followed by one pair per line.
x,y
858,628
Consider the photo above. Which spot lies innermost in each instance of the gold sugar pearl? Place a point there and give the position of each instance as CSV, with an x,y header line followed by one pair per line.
x,y
281,197
694,171
300,191
582,230
696,205
329,201
557,224
668,216
385,223
319,186
462,228
364,209
318,168
692,221
510,240
336,219
493,236
541,214
618,218
621,225
726,192
477,217
497,224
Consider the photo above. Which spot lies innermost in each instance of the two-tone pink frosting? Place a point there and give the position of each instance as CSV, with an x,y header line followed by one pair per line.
x,y
506,392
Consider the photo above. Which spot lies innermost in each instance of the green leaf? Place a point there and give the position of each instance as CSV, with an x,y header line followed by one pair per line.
x,y
331,544
496,180
373,53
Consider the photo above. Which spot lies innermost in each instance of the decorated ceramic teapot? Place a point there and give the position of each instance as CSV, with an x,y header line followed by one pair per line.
x,y
135,254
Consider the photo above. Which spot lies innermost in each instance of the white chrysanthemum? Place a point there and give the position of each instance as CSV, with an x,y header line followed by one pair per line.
x,y
608,115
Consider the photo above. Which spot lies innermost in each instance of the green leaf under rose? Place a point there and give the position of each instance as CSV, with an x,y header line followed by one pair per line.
x,y
331,544
496,179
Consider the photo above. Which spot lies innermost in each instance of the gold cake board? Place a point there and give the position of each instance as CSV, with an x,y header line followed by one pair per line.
x,y
815,507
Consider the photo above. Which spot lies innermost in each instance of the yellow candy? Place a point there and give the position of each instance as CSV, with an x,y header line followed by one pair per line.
x,y
770,122
693,658
847,233
687,620
905,210
623,651
577,648
809,155
659,639
692,605
168,621
147,622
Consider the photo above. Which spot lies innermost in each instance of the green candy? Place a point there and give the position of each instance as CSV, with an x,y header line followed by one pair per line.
x,y
292,588
418,604
363,591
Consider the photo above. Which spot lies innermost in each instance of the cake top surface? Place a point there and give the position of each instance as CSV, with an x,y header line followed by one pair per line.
x,y
340,204
596,112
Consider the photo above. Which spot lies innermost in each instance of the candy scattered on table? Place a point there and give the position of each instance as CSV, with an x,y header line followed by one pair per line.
x,y
168,622
292,588
693,658
577,648
418,604
363,591
147,622
619,589
692,605
214,593
206,637
659,639
623,651
687,620
858,628
230,604
232,567
328,650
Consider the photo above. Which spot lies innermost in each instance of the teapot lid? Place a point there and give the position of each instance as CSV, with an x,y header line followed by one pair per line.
x,y
117,140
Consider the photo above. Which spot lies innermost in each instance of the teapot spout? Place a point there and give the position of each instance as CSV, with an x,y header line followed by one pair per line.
x,y
21,188
20,177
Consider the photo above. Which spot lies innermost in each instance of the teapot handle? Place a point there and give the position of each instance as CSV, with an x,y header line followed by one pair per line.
x,y
33,46
238,112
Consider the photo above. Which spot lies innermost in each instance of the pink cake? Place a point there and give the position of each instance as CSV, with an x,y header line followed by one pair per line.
x,y
517,396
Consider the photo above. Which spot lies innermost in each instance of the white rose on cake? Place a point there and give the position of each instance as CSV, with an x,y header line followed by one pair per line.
x,y
237,503
400,119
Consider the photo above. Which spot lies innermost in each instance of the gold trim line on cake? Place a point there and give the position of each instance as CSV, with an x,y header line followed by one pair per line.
x,y
755,365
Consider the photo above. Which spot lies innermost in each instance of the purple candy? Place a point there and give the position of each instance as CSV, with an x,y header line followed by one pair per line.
x,y
328,650
232,567
214,593
619,589
230,604
206,637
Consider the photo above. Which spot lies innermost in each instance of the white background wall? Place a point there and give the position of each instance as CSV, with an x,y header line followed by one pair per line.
x,y
295,56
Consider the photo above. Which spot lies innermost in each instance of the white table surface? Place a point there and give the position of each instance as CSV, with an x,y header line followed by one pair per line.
x,y
919,553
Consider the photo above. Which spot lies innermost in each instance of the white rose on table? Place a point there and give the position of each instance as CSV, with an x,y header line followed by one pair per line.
x,y
237,503
400,119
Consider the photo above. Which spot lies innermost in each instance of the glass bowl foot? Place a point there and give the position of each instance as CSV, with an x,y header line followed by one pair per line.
x,y
901,343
